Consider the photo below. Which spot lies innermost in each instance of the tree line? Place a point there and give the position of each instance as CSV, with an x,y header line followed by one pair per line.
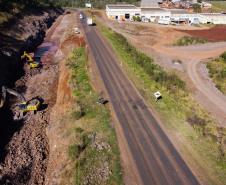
x,y
11,5
97,4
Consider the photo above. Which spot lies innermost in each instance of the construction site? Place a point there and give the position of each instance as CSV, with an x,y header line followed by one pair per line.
x,y
36,95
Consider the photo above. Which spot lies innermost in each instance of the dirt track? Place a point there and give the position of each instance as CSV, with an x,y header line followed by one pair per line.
x,y
154,41
25,149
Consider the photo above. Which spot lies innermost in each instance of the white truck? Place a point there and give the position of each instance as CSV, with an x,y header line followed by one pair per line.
x,y
162,21
80,16
89,21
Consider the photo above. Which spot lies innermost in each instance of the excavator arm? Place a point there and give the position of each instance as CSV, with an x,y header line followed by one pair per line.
x,y
28,56
6,89
32,63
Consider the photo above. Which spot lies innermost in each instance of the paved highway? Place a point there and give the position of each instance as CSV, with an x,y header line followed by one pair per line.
x,y
156,159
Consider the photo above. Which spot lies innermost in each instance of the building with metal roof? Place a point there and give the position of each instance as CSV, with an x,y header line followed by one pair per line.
x,y
154,14
150,3
122,11
183,16
212,18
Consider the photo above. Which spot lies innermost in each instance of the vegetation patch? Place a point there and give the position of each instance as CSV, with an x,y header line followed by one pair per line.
x,y
186,40
181,111
217,6
213,25
217,71
93,151
141,27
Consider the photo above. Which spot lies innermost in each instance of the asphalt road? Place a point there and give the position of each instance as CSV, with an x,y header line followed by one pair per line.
x,y
157,160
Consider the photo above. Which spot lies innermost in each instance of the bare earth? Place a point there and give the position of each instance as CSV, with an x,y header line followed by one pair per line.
x,y
155,41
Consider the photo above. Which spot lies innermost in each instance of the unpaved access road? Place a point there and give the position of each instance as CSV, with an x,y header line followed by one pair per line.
x,y
24,147
153,158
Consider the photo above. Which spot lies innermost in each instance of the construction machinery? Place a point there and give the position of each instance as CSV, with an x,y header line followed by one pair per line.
x,y
31,62
24,106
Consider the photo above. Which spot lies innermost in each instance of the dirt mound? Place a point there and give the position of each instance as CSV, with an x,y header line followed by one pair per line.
x,y
73,41
216,34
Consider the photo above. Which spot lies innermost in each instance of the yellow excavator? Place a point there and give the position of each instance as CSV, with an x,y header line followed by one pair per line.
x,y
24,106
31,62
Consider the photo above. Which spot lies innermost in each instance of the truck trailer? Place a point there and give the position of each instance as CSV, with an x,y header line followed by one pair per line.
x,y
89,21
162,21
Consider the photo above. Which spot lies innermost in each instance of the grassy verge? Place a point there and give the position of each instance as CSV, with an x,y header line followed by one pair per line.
x,y
218,6
197,130
217,71
93,152
213,25
186,40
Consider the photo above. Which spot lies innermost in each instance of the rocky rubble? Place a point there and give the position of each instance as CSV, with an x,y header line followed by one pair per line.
x,y
24,149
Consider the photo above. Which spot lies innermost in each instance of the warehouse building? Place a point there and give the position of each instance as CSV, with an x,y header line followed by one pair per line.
x,y
154,14
212,18
150,3
181,16
122,11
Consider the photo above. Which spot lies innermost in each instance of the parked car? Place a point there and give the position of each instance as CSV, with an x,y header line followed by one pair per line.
x,y
123,19
77,32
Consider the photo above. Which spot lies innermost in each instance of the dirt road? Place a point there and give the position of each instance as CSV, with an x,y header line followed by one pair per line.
x,y
153,158
24,148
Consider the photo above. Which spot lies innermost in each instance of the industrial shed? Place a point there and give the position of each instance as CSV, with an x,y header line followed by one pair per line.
x,y
122,11
150,3
212,18
184,17
154,14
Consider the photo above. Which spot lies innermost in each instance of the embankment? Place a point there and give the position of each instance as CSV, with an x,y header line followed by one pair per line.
x,y
24,32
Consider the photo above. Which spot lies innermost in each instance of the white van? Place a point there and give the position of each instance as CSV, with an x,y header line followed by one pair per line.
x,y
80,16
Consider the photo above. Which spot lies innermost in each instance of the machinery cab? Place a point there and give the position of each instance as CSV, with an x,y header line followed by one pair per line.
x,y
23,106
33,106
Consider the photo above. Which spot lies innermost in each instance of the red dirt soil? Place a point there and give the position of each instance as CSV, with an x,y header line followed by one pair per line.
x,y
216,34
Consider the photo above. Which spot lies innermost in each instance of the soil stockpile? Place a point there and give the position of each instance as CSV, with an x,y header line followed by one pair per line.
x,y
216,34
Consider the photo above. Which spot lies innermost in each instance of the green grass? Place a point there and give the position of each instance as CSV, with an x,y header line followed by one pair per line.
x,y
218,6
90,125
213,25
4,17
217,71
186,40
141,27
194,126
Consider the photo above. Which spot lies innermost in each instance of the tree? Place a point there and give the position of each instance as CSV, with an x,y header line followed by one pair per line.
x,y
197,8
199,1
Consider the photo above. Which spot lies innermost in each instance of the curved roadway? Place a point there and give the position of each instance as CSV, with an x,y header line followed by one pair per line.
x,y
156,159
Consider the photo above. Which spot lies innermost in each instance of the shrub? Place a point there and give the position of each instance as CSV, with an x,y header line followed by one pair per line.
x,y
76,115
223,55
186,40
74,151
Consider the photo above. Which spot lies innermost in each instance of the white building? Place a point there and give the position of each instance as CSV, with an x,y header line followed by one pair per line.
x,y
122,11
212,18
150,3
184,16
206,5
154,14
